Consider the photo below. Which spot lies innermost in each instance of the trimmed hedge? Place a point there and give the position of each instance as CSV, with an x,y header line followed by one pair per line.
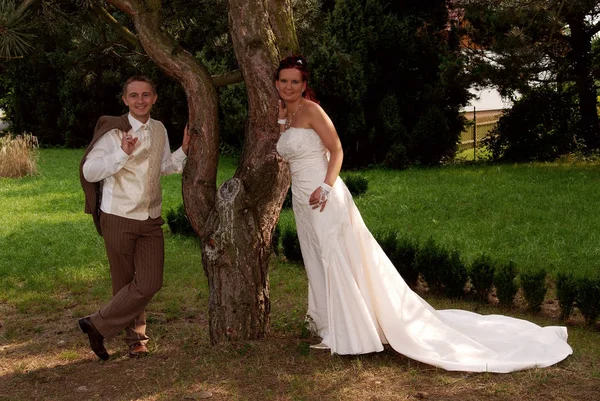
x,y
178,222
401,252
505,281
588,299
566,292
357,184
291,245
534,288
482,276
429,261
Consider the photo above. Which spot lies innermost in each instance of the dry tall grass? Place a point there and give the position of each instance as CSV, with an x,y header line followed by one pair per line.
x,y
18,155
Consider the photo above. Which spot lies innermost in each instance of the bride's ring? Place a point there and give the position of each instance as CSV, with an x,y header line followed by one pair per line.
x,y
128,137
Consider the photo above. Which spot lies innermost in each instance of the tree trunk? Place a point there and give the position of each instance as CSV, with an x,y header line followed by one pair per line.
x,y
235,223
580,56
236,257
201,167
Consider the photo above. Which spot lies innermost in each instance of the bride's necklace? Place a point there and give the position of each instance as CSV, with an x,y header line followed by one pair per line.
x,y
290,120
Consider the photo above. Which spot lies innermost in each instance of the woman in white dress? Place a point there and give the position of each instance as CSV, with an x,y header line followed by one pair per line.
x,y
357,301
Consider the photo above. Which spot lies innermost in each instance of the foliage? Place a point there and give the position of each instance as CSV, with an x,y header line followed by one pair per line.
x,y
482,276
390,76
77,66
401,251
287,202
15,30
520,45
430,260
454,276
534,288
566,292
506,283
357,184
178,221
540,126
588,301
291,245
404,260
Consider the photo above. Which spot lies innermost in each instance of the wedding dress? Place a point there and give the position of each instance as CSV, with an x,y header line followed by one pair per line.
x,y
357,301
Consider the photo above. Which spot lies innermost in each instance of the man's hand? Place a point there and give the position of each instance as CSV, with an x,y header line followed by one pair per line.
x,y
186,140
128,143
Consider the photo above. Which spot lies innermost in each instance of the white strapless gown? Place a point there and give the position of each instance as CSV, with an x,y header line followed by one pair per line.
x,y
357,301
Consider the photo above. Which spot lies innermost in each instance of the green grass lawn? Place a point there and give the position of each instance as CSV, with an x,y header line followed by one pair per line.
x,y
539,215
53,270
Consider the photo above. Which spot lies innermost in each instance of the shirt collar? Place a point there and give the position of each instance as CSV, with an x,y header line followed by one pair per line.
x,y
136,124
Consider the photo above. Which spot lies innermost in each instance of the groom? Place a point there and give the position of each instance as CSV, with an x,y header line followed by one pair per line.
x,y
120,175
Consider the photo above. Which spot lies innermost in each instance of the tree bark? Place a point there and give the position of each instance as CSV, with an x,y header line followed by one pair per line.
x,y
237,254
235,223
200,172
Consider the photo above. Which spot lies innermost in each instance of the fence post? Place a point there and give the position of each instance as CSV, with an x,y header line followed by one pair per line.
x,y
474,134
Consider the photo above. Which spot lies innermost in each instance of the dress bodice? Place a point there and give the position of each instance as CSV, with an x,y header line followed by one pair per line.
x,y
303,149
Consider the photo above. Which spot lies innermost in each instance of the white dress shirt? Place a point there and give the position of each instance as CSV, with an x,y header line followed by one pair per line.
x,y
107,158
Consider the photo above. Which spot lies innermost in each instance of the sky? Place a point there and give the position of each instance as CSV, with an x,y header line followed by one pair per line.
x,y
486,99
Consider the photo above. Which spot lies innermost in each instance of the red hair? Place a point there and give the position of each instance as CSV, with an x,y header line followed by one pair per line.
x,y
297,63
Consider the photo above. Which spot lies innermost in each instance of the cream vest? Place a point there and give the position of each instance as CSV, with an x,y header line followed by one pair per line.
x,y
136,192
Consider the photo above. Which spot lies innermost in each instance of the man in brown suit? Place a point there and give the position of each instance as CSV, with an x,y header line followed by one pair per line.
x,y
120,175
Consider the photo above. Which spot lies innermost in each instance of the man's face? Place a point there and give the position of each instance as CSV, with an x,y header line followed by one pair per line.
x,y
139,98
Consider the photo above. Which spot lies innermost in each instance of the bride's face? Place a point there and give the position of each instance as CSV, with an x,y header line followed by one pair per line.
x,y
290,85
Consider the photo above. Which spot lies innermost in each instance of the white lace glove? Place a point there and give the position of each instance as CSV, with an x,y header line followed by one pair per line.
x,y
325,191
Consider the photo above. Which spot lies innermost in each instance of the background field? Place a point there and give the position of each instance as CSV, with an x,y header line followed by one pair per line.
x,y
53,269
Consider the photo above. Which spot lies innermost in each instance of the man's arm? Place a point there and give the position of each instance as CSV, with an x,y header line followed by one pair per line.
x,y
106,157
173,162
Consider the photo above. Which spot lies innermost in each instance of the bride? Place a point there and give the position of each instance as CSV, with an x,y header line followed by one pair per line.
x,y
356,299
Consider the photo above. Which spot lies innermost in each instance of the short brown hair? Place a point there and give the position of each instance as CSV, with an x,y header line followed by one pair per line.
x,y
139,78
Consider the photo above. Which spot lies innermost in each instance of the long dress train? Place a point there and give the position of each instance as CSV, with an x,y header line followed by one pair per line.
x,y
357,301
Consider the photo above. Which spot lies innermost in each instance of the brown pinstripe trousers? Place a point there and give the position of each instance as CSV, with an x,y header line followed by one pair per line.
x,y
135,252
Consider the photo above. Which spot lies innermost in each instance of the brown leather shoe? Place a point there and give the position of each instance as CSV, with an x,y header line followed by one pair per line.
x,y
138,350
96,339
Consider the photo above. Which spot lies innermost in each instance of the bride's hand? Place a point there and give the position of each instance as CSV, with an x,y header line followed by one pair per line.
x,y
315,200
283,111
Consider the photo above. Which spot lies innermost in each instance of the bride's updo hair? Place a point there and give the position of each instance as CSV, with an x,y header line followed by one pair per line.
x,y
298,63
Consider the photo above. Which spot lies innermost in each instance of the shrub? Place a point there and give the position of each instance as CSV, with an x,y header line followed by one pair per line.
x,y
534,288
404,261
357,184
588,299
388,242
287,202
18,155
539,126
566,292
454,275
506,283
178,221
430,260
291,245
401,253
482,276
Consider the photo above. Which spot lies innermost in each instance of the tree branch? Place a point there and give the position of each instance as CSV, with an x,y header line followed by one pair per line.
x,y
121,30
22,8
228,78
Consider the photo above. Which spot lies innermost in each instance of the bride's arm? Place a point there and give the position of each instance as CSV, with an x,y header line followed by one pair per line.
x,y
322,124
